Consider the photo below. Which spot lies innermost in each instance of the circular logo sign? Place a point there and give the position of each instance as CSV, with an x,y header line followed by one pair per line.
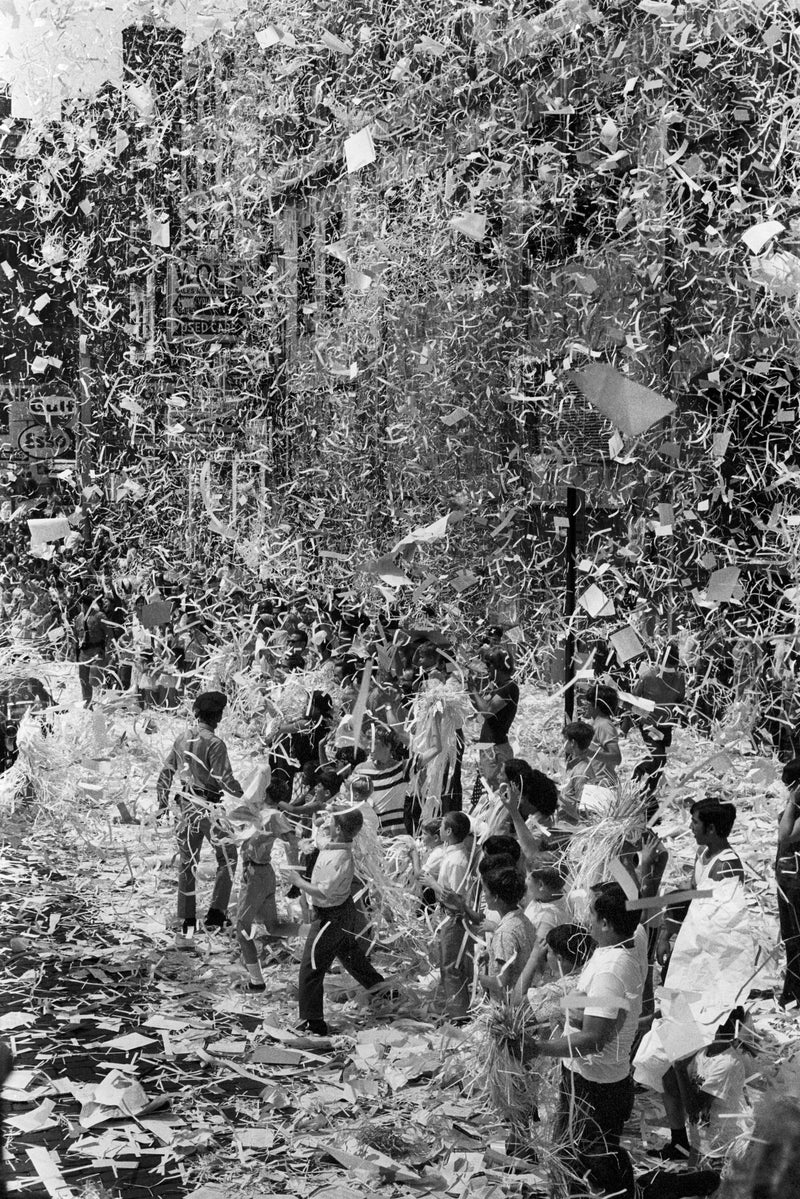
x,y
41,441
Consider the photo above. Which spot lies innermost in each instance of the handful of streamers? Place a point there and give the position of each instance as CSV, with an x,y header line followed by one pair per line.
x,y
439,711
591,848
391,898
52,748
506,1074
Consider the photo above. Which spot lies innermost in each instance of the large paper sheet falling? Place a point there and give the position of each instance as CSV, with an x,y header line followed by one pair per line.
x,y
712,969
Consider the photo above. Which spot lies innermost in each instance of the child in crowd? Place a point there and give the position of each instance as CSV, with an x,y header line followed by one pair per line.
x,y
360,789
431,847
257,914
569,948
323,784
547,906
600,704
708,1092
455,938
578,737
498,845
334,932
513,939
431,852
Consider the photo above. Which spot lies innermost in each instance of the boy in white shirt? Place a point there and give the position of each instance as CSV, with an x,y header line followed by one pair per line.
x,y
334,932
455,942
596,1094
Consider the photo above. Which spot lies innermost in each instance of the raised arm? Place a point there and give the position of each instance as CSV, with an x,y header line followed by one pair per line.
x,y
510,799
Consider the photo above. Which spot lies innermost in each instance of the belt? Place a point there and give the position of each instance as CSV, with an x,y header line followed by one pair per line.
x,y
323,912
199,793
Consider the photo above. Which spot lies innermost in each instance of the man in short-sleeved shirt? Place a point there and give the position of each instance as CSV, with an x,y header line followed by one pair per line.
x,y
596,1094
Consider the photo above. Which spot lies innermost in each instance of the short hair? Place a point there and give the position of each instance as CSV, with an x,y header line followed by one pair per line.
x,y
328,779
547,875
580,732
604,698
459,824
432,827
505,883
536,789
715,814
611,904
279,790
377,729
362,786
790,775
570,941
727,1030
498,845
308,772
500,659
485,865
350,822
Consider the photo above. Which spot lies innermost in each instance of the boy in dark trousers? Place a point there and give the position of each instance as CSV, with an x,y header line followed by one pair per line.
x,y
334,930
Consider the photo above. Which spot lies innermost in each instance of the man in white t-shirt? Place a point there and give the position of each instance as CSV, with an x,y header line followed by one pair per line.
x,y
596,1095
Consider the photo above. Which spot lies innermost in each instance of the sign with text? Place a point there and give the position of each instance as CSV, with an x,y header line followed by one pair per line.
x,y
41,426
204,295
65,407
41,442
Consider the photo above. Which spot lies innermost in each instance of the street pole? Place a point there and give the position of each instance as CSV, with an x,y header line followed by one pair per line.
x,y
569,599
85,421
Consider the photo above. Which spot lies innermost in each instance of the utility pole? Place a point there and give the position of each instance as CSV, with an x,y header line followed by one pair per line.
x,y
573,505
85,454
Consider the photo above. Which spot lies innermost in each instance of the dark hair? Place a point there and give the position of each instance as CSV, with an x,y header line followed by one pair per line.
x,y
713,814
308,772
505,883
580,732
212,719
727,1030
432,827
361,785
570,941
611,904
547,875
603,698
536,789
279,790
498,845
500,659
790,775
328,779
486,865
458,823
350,822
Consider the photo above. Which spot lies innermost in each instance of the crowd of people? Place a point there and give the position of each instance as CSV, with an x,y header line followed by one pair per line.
x,y
486,865
366,727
